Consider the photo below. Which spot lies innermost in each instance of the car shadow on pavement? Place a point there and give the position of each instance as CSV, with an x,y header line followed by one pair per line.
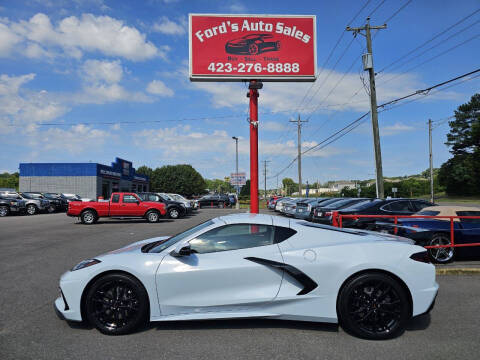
x,y
241,324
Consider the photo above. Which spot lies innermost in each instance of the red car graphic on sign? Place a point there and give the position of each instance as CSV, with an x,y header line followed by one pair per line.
x,y
252,44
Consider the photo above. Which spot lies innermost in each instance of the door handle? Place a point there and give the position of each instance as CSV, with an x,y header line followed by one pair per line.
x,y
124,205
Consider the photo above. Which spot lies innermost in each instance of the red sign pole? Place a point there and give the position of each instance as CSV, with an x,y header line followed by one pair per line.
x,y
253,95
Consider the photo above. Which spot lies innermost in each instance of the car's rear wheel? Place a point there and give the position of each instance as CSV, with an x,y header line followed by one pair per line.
x,y
116,304
88,217
51,209
441,255
3,211
31,209
373,306
253,49
153,216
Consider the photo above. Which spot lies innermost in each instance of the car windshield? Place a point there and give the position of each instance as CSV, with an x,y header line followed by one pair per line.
x,y
174,239
51,196
330,201
165,196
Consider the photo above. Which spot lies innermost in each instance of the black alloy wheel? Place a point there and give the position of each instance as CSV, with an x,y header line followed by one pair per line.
x,y
373,306
253,49
51,209
116,304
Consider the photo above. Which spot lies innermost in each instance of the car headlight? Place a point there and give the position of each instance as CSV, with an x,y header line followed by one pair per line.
x,y
85,263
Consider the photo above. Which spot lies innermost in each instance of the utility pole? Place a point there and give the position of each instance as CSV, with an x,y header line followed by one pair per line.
x,y
368,65
237,204
265,162
299,145
431,159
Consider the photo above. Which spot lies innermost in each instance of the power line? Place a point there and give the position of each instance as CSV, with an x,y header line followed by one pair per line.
x,y
374,10
397,12
429,40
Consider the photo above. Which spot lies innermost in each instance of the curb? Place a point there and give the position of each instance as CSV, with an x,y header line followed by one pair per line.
x,y
458,271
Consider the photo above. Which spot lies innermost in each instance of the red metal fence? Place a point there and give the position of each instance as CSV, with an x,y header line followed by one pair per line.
x,y
337,221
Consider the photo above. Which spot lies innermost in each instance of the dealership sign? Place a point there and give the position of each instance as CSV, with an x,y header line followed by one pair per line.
x,y
245,47
238,179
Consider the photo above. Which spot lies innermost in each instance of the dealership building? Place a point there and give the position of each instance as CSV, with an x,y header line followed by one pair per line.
x,y
89,180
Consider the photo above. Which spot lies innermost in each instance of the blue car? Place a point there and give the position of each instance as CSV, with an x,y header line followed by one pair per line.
x,y
430,231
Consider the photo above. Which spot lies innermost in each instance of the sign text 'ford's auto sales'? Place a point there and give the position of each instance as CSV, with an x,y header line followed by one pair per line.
x,y
262,47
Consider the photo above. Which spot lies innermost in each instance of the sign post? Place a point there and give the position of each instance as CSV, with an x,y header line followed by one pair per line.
x,y
253,48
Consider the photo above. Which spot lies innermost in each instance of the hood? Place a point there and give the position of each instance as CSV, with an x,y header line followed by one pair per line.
x,y
135,247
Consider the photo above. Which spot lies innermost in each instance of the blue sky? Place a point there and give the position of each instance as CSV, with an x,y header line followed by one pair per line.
x,y
89,80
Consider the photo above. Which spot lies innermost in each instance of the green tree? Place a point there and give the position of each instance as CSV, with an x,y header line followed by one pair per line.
x,y
180,179
245,190
219,186
8,180
461,174
145,170
289,185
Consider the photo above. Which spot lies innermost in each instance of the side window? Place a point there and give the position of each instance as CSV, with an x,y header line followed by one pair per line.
x,y
419,205
129,199
115,198
152,197
398,206
469,213
283,233
233,237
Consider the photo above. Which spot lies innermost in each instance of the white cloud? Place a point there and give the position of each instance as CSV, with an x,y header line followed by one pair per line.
x,y
7,40
170,27
236,7
76,35
74,139
272,126
158,87
108,71
395,129
21,108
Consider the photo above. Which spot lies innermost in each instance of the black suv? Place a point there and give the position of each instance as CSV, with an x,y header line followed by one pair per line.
x,y
8,206
381,207
175,209
214,201
59,202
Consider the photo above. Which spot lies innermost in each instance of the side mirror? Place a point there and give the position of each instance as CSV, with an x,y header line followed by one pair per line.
x,y
181,251
138,202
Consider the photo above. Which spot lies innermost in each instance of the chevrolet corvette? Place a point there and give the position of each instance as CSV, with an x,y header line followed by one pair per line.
x,y
263,266
252,44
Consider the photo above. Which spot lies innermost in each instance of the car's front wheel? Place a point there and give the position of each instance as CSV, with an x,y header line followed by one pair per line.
x,y
173,213
253,49
441,255
116,304
373,306
3,211
153,216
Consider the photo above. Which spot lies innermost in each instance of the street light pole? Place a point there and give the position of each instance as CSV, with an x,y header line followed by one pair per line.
x,y
237,204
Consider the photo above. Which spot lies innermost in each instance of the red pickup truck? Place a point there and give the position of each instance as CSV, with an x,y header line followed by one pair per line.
x,y
119,205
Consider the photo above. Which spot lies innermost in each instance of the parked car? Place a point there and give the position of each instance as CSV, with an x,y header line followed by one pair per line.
x,y
187,203
381,207
56,199
289,207
120,205
306,208
272,202
323,213
213,201
175,209
429,231
281,203
33,204
233,199
255,266
9,206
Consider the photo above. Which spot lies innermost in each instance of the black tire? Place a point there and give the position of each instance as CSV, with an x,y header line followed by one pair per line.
x,y
253,49
88,217
4,210
174,213
152,216
373,306
116,304
441,255
31,209
221,205
51,209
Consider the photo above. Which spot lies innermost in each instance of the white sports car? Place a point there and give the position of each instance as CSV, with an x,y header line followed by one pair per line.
x,y
246,265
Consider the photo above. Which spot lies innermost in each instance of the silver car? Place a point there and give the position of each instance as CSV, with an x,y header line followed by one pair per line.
x,y
34,204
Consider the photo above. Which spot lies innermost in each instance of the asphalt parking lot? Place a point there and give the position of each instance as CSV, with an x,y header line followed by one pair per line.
x,y
36,250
